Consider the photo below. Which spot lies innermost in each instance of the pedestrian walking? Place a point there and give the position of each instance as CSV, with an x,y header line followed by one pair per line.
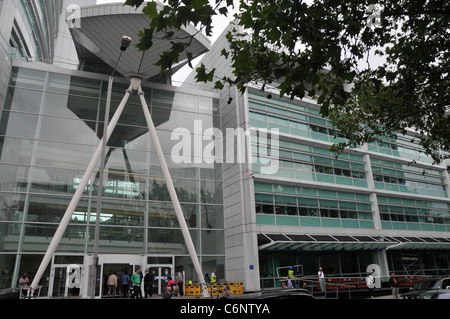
x,y
136,284
125,284
112,284
393,283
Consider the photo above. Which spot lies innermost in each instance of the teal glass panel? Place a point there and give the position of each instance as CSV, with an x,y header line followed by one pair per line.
x,y
265,220
362,197
325,178
264,198
400,226
427,227
310,222
331,222
359,183
379,185
386,225
344,180
306,191
327,193
365,224
263,187
287,220
413,226
349,223
343,195
284,189
321,137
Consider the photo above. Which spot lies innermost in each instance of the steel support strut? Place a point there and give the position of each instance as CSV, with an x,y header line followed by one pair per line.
x,y
135,85
77,196
169,183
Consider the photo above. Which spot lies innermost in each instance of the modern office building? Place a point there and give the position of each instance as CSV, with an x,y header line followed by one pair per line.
x,y
381,206
253,207
52,115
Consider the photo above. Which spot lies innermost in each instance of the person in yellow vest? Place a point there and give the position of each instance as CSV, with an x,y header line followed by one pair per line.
x,y
291,273
213,277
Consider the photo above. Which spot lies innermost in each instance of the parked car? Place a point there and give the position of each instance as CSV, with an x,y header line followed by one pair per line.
x,y
427,284
436,294
286,293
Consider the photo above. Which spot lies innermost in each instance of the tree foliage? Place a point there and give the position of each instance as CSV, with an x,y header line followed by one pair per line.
x,y
326,49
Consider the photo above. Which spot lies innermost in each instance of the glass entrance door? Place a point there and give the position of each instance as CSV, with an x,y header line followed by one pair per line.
x,y
64,282
161,275
120,269
59,282
120,264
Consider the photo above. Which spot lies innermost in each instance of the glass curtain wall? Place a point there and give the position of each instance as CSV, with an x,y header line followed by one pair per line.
x,y
50,127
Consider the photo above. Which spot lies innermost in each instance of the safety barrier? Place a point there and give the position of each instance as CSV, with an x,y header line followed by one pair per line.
x,y
236,288
192,290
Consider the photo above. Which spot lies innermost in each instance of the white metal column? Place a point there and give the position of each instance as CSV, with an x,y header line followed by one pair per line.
x,y
135,85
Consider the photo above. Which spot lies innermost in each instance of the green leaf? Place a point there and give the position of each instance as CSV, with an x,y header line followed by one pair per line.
x,y
218,85
150,10
133,3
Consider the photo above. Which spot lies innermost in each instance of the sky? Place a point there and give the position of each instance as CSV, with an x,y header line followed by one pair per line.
x,y
220,23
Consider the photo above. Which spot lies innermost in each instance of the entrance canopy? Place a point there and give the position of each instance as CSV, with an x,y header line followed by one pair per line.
x,y
102,27
315,243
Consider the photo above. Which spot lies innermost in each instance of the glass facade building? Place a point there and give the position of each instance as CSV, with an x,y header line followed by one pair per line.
x,y
293,204
383,205
50,126
385,191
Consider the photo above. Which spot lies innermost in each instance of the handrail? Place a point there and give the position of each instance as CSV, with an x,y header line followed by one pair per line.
x,y
316,281
218,293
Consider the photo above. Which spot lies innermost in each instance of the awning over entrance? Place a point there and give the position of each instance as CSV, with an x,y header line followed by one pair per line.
x,y
315,243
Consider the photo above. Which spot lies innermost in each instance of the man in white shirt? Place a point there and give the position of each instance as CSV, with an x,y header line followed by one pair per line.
x,y
321,279
370,284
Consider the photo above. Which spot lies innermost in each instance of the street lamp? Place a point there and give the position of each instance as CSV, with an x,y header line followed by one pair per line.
x,y
126,41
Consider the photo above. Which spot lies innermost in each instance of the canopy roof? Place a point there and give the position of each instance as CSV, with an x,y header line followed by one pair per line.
x,y
296,243
100,34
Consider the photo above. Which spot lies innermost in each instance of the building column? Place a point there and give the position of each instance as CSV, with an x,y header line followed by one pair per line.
x,y
380,258
241,245
371,187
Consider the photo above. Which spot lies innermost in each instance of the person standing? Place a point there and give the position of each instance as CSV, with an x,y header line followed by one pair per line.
x,y
321,279
148,286
370,285
213,277
393,283
289,282
291,274
112,284
172,284
125,283
136,283
179,280
23,284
